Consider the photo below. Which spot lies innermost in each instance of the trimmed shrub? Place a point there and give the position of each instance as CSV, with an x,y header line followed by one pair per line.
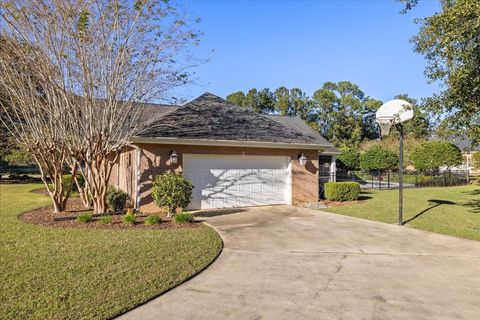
x,y
378,158
476,160
350,158
129,217
68,181
151,220
183,217
342,191
105,219
116,199
432,155
84,217
171,190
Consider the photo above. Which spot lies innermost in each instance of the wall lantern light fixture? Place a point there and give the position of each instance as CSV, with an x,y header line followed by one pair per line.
x,y
173,157
302,159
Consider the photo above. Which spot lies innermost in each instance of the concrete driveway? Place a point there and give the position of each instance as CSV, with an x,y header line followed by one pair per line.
x,y
291,263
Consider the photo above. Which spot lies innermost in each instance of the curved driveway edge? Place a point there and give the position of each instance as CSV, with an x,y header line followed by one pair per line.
x,y
286,262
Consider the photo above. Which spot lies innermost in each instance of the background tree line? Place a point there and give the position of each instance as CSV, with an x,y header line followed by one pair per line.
x,y
341,112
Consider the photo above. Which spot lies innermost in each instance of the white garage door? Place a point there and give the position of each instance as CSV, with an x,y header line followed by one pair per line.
x,y
237,181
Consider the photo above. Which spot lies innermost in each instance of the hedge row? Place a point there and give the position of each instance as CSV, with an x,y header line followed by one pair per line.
x,y
342,191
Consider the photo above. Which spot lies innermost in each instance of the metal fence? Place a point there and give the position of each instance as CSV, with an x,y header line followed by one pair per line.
x,y
389,180
18,169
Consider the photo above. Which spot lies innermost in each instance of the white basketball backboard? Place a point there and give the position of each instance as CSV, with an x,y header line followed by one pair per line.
x,y
397,110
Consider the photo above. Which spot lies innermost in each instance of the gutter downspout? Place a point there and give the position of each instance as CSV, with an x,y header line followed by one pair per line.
x,y
138,155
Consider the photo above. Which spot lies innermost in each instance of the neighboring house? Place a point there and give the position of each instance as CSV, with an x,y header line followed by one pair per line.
x,y
234,156
467,152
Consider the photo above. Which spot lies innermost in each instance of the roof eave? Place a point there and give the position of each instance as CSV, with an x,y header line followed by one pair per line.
x,y
328,153
231,143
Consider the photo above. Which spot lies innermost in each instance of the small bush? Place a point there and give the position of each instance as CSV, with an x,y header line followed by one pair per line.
x,y
68,181
116,199
342,191
105,219
183,217
84,217
14,176
129,218
151,220
171,190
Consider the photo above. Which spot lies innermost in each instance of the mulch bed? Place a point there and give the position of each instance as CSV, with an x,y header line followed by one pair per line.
x,y
40,191
45,217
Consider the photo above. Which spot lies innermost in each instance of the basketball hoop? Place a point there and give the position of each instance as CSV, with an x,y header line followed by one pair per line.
x,y
385,123
395,112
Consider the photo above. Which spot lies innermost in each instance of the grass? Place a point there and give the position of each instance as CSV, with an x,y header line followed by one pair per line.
x,y
55,273
84,217
453,211
183,217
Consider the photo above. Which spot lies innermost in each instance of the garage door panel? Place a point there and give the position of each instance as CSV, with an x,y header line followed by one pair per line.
x,y
225,181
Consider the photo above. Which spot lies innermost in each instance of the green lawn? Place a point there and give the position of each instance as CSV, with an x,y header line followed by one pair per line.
x,y
453,210
55,273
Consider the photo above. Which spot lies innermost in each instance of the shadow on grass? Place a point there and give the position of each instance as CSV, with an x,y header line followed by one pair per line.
x,y
435,203
474,205
364,198
366,192
475,192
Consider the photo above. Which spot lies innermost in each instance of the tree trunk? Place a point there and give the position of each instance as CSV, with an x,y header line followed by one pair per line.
x,y
82,190
171,212
51,165
97,177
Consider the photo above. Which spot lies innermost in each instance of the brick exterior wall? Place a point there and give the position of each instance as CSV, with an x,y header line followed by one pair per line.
x,y
154,160
123,174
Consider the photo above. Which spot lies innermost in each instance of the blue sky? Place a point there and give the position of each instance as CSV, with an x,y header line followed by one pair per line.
x,y
305,43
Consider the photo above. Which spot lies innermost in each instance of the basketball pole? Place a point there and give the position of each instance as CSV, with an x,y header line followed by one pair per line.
x,y
400,176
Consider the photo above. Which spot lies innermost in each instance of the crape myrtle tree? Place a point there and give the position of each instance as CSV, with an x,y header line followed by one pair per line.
x,y
94,60
27,114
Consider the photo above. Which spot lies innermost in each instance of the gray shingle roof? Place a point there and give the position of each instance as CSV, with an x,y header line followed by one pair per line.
x,y
296,123
465,144
152,111
211,117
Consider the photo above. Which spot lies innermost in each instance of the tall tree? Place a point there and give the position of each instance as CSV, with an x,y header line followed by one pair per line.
x,y
266,101
262,101
419,126
450,42
370,128
251,100
342,108
94,59
283,103
237,98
